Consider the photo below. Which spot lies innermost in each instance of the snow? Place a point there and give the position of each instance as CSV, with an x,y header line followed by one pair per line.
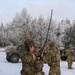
x,y
7,68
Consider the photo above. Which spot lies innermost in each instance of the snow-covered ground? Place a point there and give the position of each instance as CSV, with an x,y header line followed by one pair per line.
x,y
7,68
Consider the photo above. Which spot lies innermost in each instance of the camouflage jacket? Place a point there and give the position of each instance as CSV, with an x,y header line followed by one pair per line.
x,y
69,53
53,59
26,59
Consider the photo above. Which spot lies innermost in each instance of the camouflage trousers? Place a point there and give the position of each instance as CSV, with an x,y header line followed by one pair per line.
x,y
37,73
33,73
53,73
70,64
25,73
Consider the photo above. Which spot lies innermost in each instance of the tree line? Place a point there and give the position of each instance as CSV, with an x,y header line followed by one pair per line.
x,y
24,26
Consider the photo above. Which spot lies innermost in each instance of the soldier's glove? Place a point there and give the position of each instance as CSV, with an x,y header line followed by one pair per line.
x,y
34,57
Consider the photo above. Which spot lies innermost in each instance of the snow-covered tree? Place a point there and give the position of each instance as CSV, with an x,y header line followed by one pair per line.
x,y
64,25
3,39
17,30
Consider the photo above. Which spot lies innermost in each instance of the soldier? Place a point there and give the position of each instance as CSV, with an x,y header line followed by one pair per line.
x,y
27,56
30,64
53,59
69,53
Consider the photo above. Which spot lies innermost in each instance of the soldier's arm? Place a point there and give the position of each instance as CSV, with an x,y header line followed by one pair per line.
x,y
66,52
26,57
49,58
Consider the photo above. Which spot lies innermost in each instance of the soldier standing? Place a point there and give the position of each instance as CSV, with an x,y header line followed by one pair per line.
x,y
53,59
30,64
69,53
27,56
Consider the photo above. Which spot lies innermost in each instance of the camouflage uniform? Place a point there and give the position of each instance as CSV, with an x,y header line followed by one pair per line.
x,y
53,59
69,54
37,67
26,58
46,49
30,65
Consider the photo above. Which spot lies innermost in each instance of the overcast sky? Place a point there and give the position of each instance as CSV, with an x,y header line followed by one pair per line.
x,y
61,8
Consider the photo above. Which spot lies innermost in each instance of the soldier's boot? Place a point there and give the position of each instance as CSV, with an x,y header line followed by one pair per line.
x,y
70,68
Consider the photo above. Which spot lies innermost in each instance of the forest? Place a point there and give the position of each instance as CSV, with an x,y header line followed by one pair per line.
x,y
24,26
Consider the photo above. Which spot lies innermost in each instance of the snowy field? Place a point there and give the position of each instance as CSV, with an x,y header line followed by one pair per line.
x,y
7,68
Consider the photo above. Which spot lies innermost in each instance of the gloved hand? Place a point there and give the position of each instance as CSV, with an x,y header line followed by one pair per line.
x,y
34,57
